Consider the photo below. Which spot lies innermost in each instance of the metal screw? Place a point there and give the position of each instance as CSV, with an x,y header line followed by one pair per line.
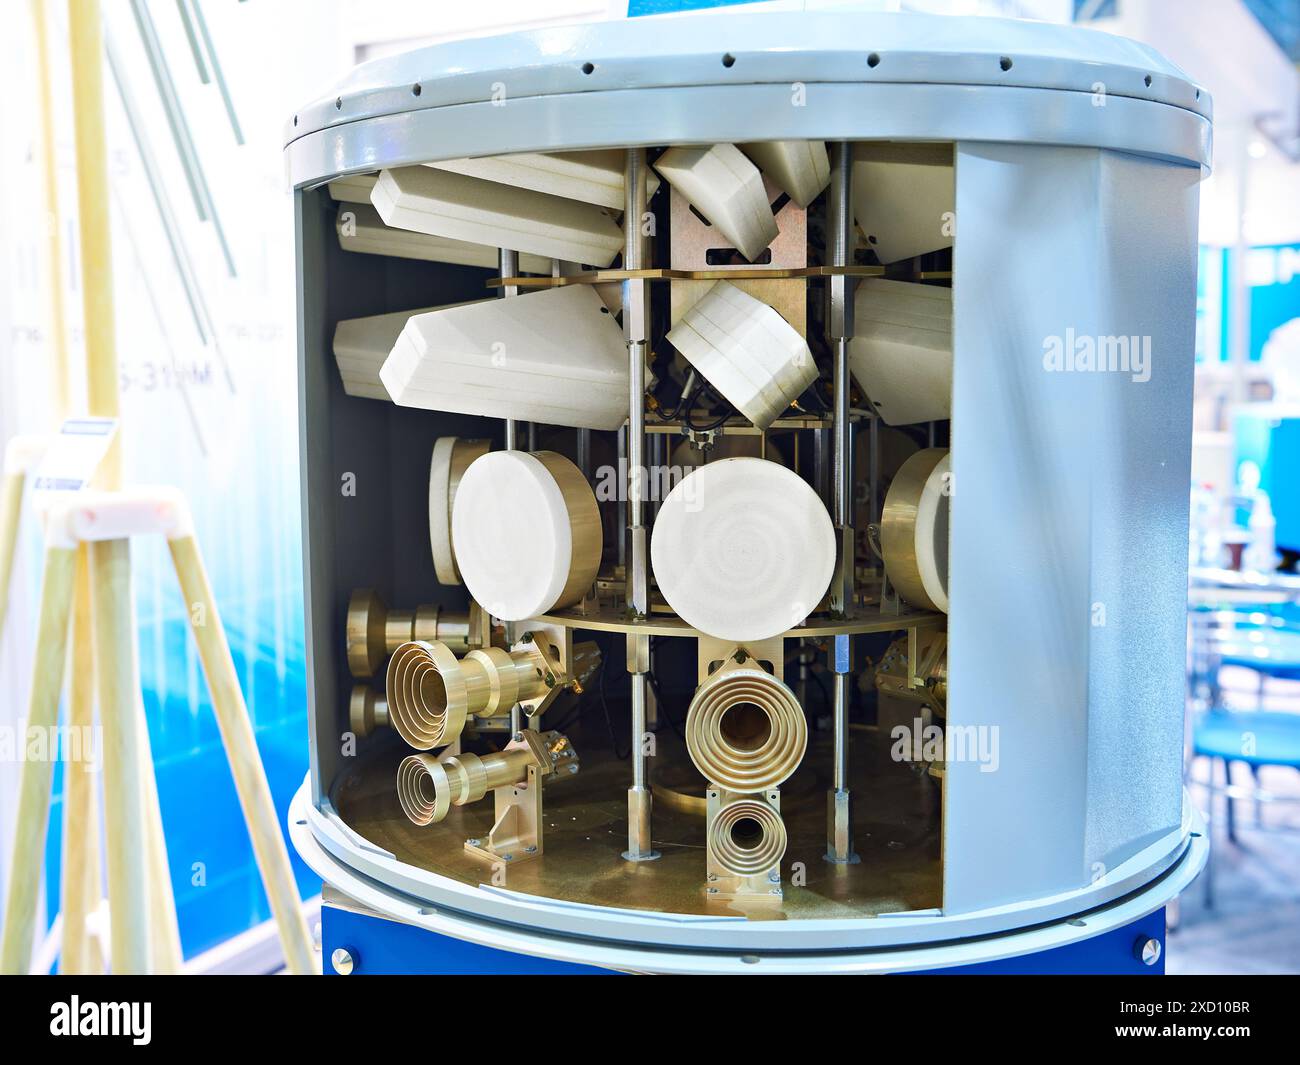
x,y
508,857
530,850
713,891
775,878
1147,950
342,961
472,842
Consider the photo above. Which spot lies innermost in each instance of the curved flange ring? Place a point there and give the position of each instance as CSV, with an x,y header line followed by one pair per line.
x,y
745,730
753,852
428,697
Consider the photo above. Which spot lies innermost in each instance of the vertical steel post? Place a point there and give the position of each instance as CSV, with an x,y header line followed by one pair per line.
x,y
839,320
636,332
509,264
508,261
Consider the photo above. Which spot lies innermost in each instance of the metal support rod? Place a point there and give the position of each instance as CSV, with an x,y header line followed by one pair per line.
x,y
636,325
172,349
839,236
820,464
192,38
638,730
620,505
659,457
839,320
636,315
640,842
843,457
584,453
840,768
175,242
636,320
180,129
167,95
509,263
873,510
222,88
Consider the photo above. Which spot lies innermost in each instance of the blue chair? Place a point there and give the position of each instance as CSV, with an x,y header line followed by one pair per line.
x,y
1255,737
1263,638
1270,647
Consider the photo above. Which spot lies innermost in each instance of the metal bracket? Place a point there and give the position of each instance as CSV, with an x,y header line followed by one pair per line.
x,y
723,885
516,833
730,655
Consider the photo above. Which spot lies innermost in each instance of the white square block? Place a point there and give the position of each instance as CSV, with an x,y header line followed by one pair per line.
x,y
747,351
555,357
360,229
719,182
801,169
903,198
592,177
901,353
444,204
362,344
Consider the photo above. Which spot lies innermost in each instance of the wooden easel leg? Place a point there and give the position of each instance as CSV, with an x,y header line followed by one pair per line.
x,y
118,685
34,782
11,502
241,751
165,936
81,889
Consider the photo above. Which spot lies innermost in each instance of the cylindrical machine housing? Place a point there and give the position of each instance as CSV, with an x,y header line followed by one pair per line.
x,y
1078,212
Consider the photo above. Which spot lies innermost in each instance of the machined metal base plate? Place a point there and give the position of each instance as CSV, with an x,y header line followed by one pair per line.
x,y
585,826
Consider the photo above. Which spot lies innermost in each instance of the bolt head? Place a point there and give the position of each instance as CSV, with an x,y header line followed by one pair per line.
x,y
342,961
1147,950
472,842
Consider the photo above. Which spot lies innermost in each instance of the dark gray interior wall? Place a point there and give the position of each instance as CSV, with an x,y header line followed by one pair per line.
x,y
379,537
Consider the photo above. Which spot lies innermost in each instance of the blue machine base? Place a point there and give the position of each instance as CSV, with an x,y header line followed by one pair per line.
x,y
383,947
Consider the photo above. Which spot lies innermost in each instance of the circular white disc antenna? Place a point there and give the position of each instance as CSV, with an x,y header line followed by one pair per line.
x,y
743,549
526,531
451,457
914,529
